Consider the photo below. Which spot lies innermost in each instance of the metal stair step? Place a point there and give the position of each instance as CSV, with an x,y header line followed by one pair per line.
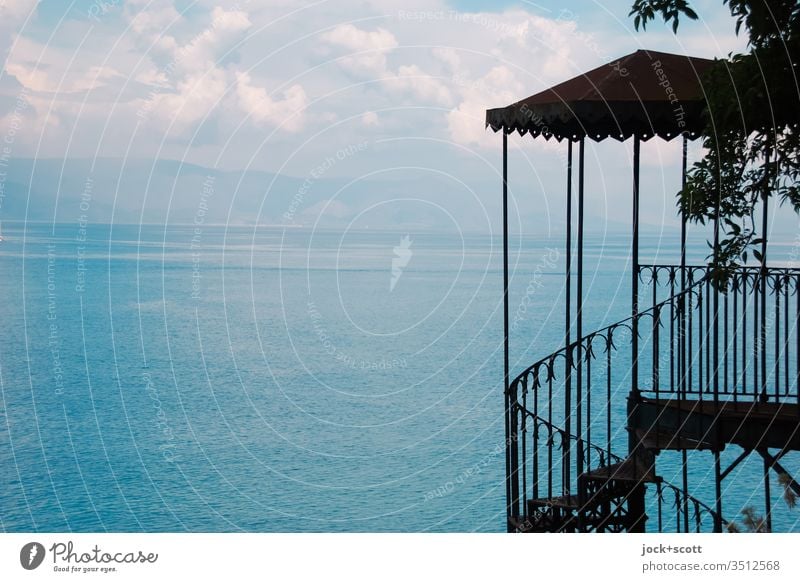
x,y
560,502
550,514
627,470
655,440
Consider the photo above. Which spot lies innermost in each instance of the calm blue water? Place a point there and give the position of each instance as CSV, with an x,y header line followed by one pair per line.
x,y
224,379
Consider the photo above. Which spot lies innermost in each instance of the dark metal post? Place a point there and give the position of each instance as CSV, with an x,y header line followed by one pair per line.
x,y
635,397
682,339
767,494
684,166
763,285
718,493
635,270
715,325
636,509
579,318
565,458
511,460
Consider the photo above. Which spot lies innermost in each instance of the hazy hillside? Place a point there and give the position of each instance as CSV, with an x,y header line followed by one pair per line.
x,y
133,191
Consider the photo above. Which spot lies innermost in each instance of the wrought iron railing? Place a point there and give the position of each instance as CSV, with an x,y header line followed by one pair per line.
x,y
567,412
736,343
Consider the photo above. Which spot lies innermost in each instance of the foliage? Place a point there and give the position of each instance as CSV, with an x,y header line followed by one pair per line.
x,y
752,137
752,522
789,496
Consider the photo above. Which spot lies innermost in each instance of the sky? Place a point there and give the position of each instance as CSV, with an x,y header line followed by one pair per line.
x,y
284,86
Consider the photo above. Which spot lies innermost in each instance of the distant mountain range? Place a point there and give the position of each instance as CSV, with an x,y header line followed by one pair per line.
x,y
134,191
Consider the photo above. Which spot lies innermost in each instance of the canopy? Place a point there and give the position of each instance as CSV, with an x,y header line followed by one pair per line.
x,y
646,93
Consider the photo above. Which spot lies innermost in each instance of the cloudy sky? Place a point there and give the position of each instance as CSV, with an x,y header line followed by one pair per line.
x,y
282,86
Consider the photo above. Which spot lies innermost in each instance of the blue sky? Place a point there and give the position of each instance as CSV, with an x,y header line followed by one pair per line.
x,y
280,86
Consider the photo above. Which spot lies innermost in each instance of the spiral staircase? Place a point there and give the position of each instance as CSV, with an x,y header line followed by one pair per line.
x,y
716,367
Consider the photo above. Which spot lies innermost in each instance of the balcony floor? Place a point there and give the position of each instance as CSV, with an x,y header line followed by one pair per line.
x,y
675,424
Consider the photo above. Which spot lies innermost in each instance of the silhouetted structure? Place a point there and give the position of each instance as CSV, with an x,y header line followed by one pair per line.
x,y
699,368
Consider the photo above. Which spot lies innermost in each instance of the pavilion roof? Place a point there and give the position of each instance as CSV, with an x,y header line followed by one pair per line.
x,y
645,93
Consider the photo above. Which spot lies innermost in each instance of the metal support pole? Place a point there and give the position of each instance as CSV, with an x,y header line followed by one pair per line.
x,y
764,228
718,493
682,340
684,166
579,318
637,509
635,397
511,460
565,457
767,495
763,285
635,270
715,290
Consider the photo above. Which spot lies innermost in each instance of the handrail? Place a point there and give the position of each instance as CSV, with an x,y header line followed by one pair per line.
x,y
703,342
771,271
622,323
617,459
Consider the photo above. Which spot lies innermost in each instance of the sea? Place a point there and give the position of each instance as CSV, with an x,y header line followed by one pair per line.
x,y
204,378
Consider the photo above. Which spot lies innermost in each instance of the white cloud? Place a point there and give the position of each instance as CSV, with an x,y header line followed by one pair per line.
x,y
28,116
151,24
227,27
265,61
257,103
195,97
369,59
421,85
152,76
355,39
466,122
193,84
37,79
151,18
368,48
449,56
30,78
17,9
13,13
